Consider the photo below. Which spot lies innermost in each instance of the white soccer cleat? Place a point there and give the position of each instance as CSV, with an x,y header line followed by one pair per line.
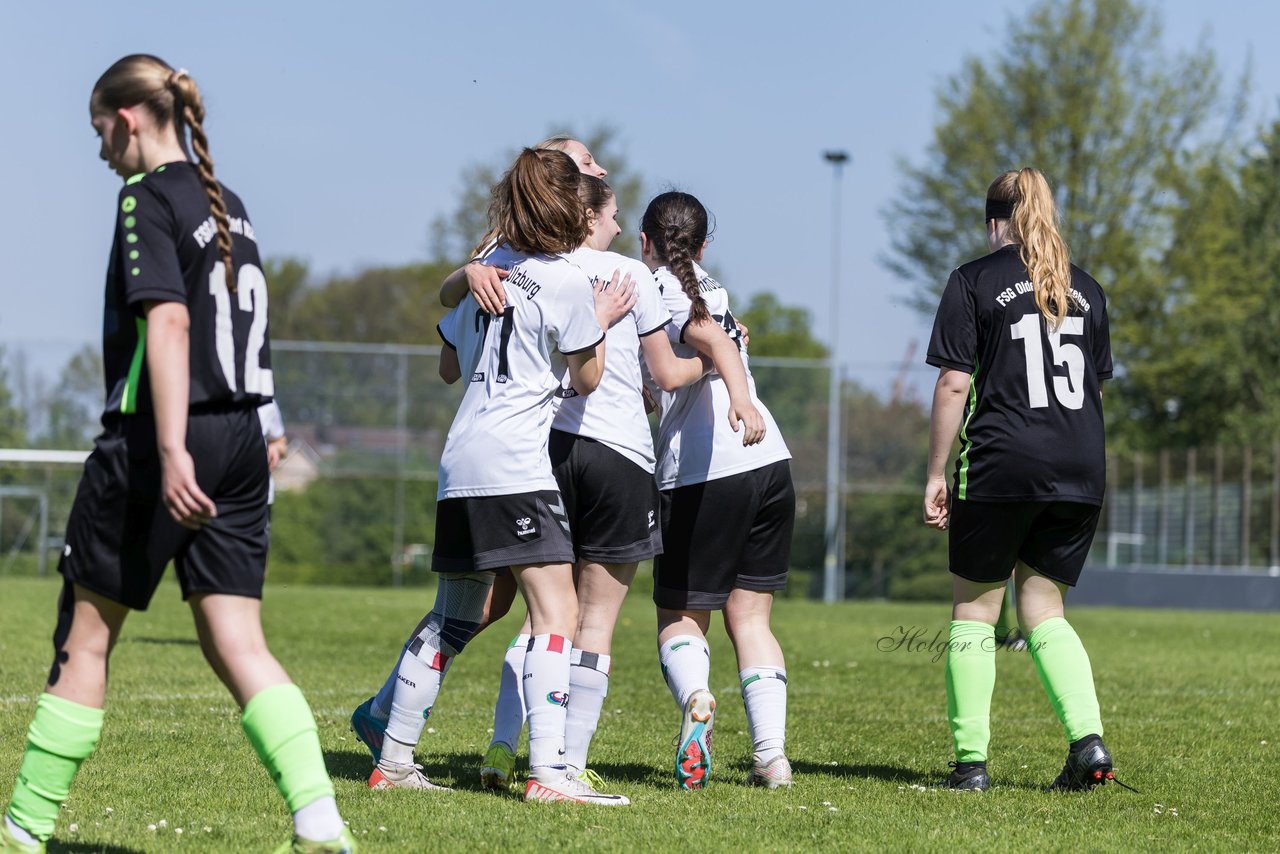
x,y
572,789
774,774
390,775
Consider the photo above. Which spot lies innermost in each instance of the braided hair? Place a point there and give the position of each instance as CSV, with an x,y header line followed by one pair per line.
x,y
172,97
676,225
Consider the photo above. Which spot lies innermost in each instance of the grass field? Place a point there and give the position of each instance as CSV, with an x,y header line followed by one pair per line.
x,y
1191,703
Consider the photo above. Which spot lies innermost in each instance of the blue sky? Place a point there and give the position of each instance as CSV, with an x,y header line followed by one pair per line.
x,y
346,127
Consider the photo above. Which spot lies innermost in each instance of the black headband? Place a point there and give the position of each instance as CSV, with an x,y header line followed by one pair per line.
x,y
999,210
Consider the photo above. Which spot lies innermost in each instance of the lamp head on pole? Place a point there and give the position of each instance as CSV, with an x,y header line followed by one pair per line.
x,y
836,158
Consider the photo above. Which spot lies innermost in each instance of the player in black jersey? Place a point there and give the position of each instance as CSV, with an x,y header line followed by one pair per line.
x,y
180,470
1022,345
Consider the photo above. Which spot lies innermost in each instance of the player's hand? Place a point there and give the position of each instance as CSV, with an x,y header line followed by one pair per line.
x,y
185,500
614,298
936,514
485,284
746,414
276,449
744,332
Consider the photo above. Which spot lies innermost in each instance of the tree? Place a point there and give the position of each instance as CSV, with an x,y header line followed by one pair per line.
x,y
780,330
13,430
1084,91
74,406
453,236
1202,353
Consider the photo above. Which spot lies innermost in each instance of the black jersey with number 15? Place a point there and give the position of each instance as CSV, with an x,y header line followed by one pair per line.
x,y
1032,427
166,250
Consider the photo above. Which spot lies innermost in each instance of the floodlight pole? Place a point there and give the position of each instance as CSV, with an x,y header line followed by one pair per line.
x,y
832,570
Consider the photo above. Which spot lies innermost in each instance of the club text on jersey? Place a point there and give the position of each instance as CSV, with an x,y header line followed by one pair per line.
x,y
522,280
1008,295
208,230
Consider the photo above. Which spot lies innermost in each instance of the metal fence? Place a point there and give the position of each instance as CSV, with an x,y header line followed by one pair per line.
x,y
1201,509
367,423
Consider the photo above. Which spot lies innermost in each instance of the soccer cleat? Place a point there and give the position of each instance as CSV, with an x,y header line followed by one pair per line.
x,y
1088,766
693,751
967,777
1013,642
498,770
344,844
10,844
572,789
369,729
774,774
389,775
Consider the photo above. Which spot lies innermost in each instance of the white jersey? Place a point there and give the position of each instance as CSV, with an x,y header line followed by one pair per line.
x,y
497,444
614,413
695,441
272,430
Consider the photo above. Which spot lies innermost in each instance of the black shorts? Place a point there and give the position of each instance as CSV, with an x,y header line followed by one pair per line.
x,y
733,532
1052,537
496,531
612,503
120,537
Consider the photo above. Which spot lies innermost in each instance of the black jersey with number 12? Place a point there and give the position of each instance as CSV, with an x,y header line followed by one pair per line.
x,y
166,250
1032,428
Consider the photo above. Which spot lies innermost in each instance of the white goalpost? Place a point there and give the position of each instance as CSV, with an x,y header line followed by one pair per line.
x,y
36,496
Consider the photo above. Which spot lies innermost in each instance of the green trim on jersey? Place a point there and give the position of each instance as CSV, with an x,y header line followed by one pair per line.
x,y
129,397
133,179
967,446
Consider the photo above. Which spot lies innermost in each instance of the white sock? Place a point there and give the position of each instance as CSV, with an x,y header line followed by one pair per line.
x,y
588,686
380,708
18,833
686,665
764,693
417,685
318,821
508,712
546,694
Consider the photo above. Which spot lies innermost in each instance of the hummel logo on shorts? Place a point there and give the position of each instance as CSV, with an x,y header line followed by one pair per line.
x,y
524,527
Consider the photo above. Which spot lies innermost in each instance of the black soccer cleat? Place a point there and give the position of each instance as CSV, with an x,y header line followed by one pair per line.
x,y
967,777
1088,766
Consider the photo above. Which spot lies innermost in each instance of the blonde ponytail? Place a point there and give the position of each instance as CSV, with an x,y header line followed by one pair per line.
x,y
1033,224
172,97
190,106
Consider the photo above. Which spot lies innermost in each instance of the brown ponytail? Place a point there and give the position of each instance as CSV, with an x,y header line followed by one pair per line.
x,y
1033,224
492,237
676,225
535,207
172,97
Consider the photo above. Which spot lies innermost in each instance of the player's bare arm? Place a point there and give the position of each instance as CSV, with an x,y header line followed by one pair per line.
x,y
710,338
168,346
949,395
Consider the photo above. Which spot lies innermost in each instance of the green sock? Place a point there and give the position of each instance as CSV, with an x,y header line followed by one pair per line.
x,y
1066,676
971,678
1008,619
283,733
61,736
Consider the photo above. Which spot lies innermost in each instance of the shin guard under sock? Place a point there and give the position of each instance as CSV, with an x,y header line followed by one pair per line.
x,y
61,736
971,679
1067,677
283,733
